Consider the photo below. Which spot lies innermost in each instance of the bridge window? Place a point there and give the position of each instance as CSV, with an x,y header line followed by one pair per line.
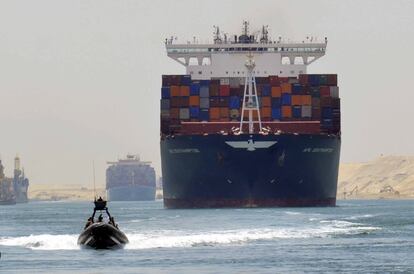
x,y
298,60
193,61
285,61
199,72
206,61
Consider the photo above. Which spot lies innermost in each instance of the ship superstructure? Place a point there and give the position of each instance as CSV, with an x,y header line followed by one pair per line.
x,y
13,190
130,179
246,126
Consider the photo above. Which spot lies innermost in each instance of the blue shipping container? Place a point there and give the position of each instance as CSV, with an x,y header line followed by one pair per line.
x,y
185,80
194,112
204,82
195,89
327,112
296,88
286,99
165,93
313,80
266,90
204,115
276,102
234,102
276,113
327,123
297,111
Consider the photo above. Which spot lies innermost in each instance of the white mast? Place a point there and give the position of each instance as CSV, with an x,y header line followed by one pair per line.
x,y
250,100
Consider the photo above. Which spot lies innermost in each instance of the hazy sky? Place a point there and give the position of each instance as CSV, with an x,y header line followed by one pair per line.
x,y
80,80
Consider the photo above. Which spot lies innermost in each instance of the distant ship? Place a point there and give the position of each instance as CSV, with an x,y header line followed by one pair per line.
x,y
13,190
130,179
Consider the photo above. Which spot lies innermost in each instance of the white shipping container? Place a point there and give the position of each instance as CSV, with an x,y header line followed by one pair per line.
x,y
293,81
165,104
234,82
334,92
204,92
184,113
306,111
204,102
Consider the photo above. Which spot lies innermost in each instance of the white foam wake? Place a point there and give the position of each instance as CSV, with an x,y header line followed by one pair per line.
x,y
43,242
169,239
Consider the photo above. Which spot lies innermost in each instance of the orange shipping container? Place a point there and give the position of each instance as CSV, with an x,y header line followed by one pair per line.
x,y
175,91
246,115
266,102
266,112
224,112
286,111
194,101
214,113
286,88
306,100
184,91
276,91
175,113
296,100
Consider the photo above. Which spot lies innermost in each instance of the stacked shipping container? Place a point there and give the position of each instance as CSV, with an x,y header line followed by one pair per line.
x,y
310,97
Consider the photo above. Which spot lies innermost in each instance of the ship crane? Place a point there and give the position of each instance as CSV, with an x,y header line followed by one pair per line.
x,y
250,99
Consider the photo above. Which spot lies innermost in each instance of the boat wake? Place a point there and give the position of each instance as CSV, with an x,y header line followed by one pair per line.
x,y
183,239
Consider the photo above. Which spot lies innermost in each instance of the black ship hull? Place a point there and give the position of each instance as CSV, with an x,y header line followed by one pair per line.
x,y
250,170
102,236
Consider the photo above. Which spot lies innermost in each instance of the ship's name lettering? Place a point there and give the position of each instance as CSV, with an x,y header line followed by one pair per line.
x,y
184,150
318,150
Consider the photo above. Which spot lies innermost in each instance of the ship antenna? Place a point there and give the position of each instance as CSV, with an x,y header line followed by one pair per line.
x,y
94,187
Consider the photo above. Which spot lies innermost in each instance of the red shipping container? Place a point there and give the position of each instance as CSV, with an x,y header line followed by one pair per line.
x,y
301,127
224,90
274,80
303,79
283,80
236,91
175,102
214,90
332,80
326,101
324,91
316,113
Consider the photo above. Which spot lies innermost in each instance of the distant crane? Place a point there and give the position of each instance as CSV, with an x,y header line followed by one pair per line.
x,y
354,190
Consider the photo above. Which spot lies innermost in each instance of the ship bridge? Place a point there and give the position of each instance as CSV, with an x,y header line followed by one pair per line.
x,y
225,57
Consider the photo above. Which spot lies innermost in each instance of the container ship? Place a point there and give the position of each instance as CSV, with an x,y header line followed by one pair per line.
x,y
13,190
130,179
246,126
